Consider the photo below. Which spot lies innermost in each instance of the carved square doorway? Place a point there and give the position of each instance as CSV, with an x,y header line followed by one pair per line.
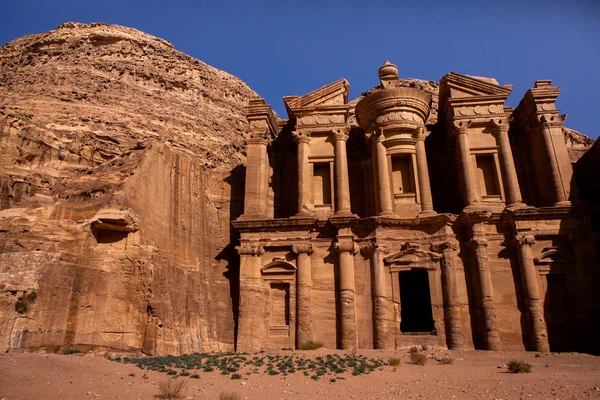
x,y
416,314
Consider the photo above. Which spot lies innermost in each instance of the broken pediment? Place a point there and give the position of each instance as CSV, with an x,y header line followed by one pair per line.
x,y
455,85
551,255
333,94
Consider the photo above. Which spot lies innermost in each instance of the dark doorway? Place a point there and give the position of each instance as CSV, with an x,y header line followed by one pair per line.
x,y
415,302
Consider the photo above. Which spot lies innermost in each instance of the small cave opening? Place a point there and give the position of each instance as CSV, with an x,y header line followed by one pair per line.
x,y
105,236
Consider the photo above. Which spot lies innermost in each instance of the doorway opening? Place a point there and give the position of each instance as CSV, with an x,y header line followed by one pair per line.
x,y
415,302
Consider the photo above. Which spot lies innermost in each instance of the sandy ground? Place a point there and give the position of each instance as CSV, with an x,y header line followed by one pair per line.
x,y
474,375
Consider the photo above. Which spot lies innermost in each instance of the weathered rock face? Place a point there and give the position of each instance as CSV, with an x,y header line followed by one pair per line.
x,y
117,170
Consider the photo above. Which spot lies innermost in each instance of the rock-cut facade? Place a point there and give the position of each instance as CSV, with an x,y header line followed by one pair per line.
x,y
417,214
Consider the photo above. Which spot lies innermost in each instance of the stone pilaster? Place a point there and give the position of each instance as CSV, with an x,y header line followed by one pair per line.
x,y
346,249
452,307
342,185
251,327
386,206
478,245
255,198
507,162
376,252
304,325
531,291
464,158
423,173
305,188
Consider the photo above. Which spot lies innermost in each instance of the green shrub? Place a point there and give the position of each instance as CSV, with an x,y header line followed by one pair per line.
x,y
518,367
418,358
72,351
236,376
311,345
394,362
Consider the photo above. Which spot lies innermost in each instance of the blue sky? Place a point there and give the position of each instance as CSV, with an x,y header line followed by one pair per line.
x,y
293,47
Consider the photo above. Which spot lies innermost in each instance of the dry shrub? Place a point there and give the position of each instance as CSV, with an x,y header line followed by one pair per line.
x,y
171,389
424,347
446,360
518,367
230,396
394,362
414,349
311,345
418,358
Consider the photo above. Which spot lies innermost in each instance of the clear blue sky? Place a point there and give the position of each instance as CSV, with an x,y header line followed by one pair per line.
x,y
293,47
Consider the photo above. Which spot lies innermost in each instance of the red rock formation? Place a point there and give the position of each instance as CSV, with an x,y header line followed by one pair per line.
x,y
115,193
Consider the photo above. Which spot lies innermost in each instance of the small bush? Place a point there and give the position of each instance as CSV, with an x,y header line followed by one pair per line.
x,y
418,358
518,367
132,374
171,389
394,362
537,355
446,360
424,347
230,396
414,349
236,376
311,345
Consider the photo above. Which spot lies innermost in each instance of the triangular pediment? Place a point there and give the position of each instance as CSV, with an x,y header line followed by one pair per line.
x,y
411,254
333,94
461,86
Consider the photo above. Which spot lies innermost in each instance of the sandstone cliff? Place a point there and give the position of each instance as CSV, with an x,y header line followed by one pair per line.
x,y
116,158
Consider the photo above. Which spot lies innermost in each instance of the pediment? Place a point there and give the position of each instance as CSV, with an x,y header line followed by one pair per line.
x,y
461,86
552,255
411,254
278,267
333,94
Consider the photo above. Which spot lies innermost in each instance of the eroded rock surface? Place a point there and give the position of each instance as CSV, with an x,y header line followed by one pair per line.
x,y
117,160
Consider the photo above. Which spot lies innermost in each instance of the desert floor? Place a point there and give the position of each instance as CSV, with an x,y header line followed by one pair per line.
x,y
474,375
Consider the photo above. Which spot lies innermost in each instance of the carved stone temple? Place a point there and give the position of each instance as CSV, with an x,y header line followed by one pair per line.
x,y
416,214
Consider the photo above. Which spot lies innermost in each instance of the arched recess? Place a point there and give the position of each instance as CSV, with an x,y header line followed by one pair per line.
x,y
279,276
416,291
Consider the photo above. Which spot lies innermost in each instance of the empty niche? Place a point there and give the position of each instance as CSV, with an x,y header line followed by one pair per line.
x,y
280,309
322,183
105,236
402,174
487,176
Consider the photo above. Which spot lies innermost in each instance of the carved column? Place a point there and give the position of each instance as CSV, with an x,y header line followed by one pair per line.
x,y
305,189
346,249
531,291
423,173
557,183
507,162
484,280
466,167
255,204
251,307
304,331
342,185
452,307
376,253
386,205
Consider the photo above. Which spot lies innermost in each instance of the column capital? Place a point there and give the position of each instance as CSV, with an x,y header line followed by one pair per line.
x,y
301,136
303,248
477,242
346,246
501,124
461,126
421,134
526,239
369,248
448,244
551,120
378,136
250,250
257,140
341,134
